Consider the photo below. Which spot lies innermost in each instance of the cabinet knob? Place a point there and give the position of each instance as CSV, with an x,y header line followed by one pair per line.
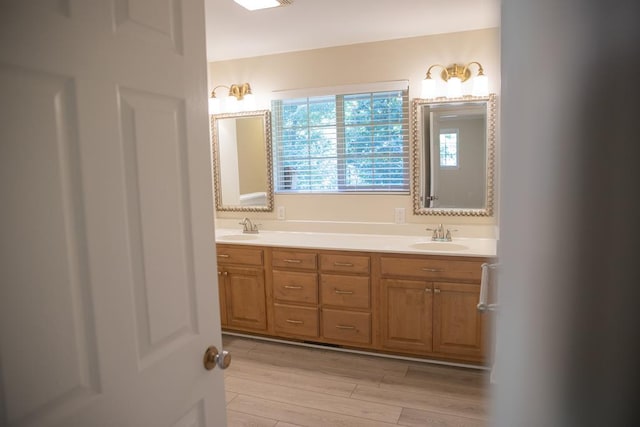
x,y
436,291
427,290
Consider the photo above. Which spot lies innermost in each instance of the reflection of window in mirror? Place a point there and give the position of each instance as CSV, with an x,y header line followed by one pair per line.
x,y
449,148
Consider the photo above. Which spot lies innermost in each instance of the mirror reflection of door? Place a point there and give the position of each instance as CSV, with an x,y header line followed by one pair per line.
x,y
458,157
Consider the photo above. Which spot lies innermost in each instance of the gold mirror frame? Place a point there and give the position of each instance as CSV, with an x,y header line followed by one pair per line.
x,y
417,158
217,179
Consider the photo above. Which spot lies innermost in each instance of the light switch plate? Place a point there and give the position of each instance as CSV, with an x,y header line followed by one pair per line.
x,y
399,216
280,214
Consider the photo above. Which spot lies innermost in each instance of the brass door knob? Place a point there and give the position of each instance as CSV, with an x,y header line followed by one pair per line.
x,y
213,358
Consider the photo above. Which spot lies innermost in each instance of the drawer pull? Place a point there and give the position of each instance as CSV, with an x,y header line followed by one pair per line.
x,y
345,327
343,264
295,322
292,287
339,292
224,255
432,270
293,261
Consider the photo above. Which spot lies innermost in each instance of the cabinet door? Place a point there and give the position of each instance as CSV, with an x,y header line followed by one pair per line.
x,y
406,314
245,296
458,327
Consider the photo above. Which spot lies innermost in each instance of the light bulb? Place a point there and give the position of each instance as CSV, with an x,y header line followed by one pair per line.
x,y
214,105
249,102
231,104
257,4
454,87
480,86
428,88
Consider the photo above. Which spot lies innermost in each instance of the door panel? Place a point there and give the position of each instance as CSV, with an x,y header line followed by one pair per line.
x,y
46,293
154,142
107,262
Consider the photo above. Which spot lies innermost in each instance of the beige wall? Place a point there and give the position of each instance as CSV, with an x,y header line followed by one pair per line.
x,y
404,59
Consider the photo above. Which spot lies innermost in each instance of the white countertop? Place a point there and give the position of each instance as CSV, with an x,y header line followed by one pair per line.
x,y
468,247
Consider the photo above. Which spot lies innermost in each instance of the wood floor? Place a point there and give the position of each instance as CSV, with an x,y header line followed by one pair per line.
x,y
281,385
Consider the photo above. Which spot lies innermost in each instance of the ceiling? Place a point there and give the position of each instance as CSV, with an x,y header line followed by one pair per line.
x,y
233,32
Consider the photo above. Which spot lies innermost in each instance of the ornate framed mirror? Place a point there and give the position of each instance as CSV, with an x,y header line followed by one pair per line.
x,y
453,156
242,167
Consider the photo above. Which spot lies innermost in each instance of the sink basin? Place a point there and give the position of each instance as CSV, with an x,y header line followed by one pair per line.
x,y
238,237
439,246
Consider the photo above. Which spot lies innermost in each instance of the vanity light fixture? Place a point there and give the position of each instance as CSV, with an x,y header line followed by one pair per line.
x,y
262,4
238,99
454,76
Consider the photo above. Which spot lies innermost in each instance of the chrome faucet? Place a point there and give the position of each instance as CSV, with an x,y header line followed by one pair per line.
x,y
248,226
439,233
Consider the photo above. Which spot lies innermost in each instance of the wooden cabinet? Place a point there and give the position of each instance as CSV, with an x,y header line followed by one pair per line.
x,y
345,296
458,327
242,288
296,320
407,315
294,281
429,307
322,296
417,305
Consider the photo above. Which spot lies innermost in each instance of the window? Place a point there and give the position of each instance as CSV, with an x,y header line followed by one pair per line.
x,y
449,148
348,142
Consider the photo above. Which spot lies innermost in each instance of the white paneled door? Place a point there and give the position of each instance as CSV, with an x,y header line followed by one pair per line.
x,y
108,293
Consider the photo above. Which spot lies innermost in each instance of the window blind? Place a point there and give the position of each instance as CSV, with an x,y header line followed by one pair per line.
x,y
348,142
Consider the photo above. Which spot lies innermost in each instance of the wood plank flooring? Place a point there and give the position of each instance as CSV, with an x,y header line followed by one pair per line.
x,y
281,385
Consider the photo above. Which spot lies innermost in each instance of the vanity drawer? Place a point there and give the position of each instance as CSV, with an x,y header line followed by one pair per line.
x,y
430,268
295,286
344,263
345,291
292,259
236,255
296,320
349,326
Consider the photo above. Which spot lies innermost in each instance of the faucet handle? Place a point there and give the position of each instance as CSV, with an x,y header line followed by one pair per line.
x,y
435,233
448,235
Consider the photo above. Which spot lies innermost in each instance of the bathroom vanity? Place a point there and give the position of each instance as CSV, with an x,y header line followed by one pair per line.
x,y
337,290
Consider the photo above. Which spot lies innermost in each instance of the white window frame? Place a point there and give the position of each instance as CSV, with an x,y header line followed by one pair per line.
x,y
340,91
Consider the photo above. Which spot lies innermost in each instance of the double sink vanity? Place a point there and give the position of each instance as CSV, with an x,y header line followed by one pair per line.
x,y
393,294
390,294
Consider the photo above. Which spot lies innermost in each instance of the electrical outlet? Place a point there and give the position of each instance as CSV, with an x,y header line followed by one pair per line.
x,y
399,215
280,213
